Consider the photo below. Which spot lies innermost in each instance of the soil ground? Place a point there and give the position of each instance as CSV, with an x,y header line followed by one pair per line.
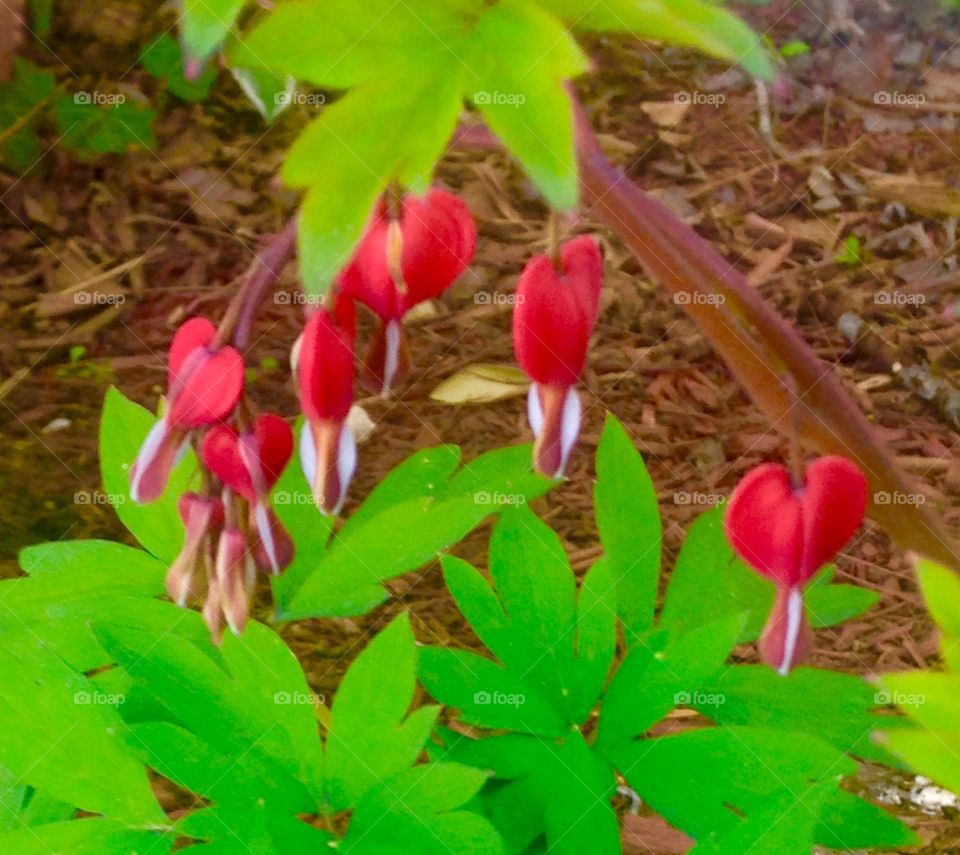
x,y
844,217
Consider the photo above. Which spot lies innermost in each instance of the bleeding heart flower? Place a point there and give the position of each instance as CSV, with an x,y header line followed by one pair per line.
x,y
552,322
204,385
249,464
325,374
400,263
787,533
235,581
202,518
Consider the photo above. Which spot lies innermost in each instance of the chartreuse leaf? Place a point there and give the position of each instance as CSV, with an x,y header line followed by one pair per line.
x,y
517,60
659,674
71,584
22,805
631,532
415,811
157,526
256,828
371,737
422,508
736,788
205,23
60,721
84,837
381,130
837,708
253,682
931,700
694,23
735,588
556,648
555,790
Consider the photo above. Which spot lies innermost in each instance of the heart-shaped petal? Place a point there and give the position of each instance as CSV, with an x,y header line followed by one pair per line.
x,y
249,464
788,533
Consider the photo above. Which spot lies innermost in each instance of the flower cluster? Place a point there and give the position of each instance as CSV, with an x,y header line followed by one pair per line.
x,y
787,530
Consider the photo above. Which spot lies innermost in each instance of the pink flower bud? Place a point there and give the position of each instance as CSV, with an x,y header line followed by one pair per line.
x,y
202,517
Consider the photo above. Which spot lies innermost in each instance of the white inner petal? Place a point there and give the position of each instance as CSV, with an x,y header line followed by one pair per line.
x,y
535,410
794,622
265,530
569,426
391,358
148,452
308,454
346,463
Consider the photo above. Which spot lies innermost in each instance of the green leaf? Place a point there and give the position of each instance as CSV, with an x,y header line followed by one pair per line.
x,y
205,23
941,591
836,708
403,538
88,128
414,811
695,23
20,113
157,526
596,638
659,674
252,829
84,837
72,583
735,774
518,58
338,44
487,694
164,60
61,723
250,697
371,737
22,805
833,604
379,131
631,532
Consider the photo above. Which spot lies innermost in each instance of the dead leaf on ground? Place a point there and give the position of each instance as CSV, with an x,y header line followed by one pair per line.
x,y
481,384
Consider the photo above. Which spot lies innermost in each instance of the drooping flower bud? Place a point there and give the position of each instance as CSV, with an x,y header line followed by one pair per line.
x,y
202,518
400,263
787,532
236,577
325,374
249,464
203,387
552,322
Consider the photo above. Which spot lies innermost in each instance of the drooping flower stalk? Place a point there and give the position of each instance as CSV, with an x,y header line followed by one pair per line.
x,y
787,531
402,261
552,322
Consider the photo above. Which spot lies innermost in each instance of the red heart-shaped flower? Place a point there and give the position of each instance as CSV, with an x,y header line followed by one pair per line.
x,y
788,533
249,464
